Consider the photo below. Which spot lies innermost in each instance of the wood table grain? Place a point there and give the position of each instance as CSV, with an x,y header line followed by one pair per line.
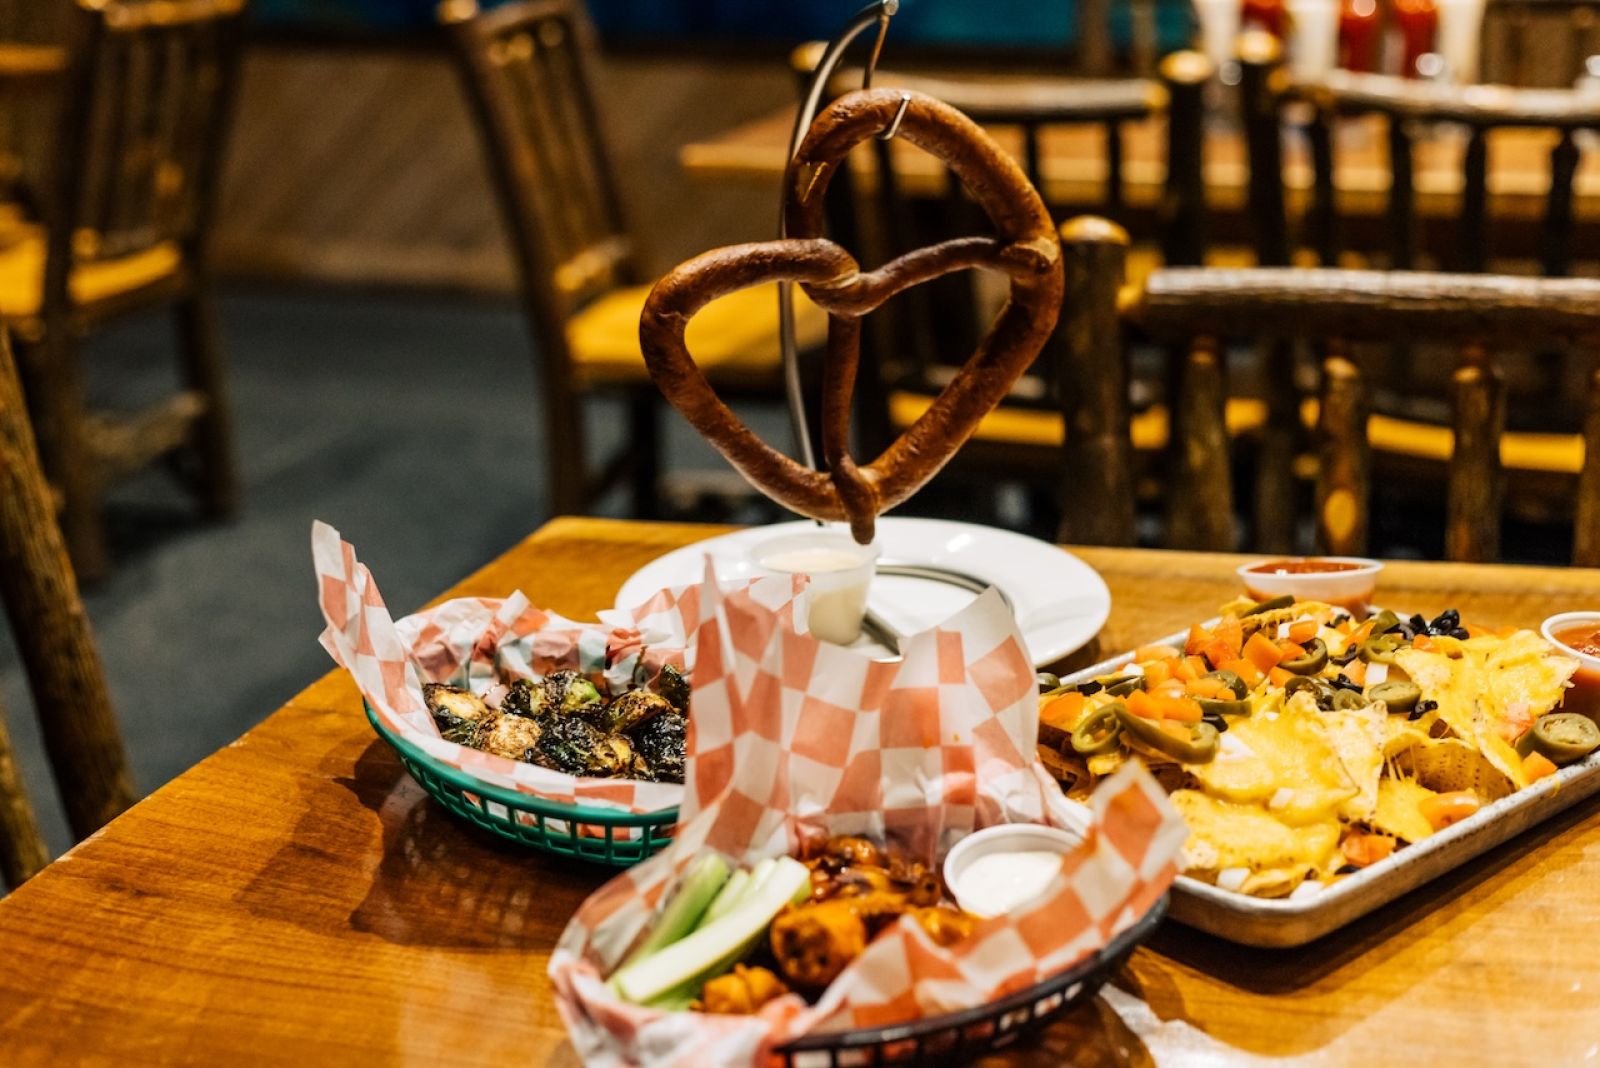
x,y
295,899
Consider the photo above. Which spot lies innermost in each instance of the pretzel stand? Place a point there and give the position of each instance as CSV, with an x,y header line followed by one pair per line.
x,y
1024,248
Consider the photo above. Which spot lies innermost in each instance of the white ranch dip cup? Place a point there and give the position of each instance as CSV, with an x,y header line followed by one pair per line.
x,y
840,571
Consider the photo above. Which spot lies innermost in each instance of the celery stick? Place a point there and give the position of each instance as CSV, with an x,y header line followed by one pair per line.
x,y
694,958
726,898
701,884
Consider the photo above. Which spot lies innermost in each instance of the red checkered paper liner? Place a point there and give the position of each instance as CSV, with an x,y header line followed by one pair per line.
x,y
793,739
479,642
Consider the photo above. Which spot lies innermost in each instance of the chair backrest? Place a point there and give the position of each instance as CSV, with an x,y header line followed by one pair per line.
x,y
1097,53
526,69
148,92
1201,309
1408,108
917,339
52,632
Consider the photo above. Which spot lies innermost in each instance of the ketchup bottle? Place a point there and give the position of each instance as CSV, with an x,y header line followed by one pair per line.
x,y
1268,14
1419,23
1358,35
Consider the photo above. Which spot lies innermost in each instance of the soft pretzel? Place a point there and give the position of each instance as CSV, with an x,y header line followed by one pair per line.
x,y
1025,248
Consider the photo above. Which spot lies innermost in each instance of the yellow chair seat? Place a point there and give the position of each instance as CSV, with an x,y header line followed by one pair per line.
x,y
22,273
1031,427
736,334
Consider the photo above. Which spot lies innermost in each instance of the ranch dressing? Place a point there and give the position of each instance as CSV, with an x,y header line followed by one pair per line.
x,y
837,595
996,883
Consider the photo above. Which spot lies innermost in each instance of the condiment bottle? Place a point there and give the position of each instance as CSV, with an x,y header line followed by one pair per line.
x,y
1268,14
1358,35
1418,21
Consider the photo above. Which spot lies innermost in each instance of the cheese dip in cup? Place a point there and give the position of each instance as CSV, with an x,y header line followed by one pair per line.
x,y
840,571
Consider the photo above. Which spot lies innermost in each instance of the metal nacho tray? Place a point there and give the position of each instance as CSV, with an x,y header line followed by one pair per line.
x,y
1282,922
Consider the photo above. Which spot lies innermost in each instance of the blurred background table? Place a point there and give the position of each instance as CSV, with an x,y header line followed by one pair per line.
x,y
1073,166
296,899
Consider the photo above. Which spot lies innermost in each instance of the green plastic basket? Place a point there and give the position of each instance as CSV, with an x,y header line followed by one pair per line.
x,y
600,835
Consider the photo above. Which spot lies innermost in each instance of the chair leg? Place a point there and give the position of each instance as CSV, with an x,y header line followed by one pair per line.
x,y
22,850
644,430
206,374
53,386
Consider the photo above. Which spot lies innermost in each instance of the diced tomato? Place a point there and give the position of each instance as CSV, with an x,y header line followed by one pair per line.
x,y
1279,677
1142,704
1218,652
1174,728
1425,643
1180,708
1361,632
1154,652
1536,766
1198,636
1356,672
1475,631
1262,652
1170,688
1205,687
1518,718
1442,810
1197,664
1156,672
1062,711
1290,651
1183,670
1364,850
1231,633
1303,631
1247,672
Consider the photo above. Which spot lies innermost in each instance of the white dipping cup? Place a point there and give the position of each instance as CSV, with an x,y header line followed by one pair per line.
x,y
1003,838
1351,590
1584,693
840,572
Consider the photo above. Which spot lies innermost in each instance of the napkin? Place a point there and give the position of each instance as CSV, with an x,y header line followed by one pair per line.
x,y
792,739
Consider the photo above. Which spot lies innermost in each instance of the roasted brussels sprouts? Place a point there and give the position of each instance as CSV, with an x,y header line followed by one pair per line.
x,y
516,737
566,692
633,708
674,687
660,743
459,714
613,757
523,699
568,743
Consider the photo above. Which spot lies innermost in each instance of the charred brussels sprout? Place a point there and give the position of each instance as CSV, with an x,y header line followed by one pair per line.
x,y
612,758
522,699
634,708
659,742
674,687
511,736
459,714
566,692
568,743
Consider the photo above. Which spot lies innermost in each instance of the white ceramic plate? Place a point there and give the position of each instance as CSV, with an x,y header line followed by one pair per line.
x,y
1061,602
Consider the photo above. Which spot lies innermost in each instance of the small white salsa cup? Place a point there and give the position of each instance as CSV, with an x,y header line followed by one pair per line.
x,y
1584,694
1349,584
840,571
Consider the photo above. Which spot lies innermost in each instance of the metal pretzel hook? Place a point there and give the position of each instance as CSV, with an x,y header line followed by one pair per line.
x,y
879,12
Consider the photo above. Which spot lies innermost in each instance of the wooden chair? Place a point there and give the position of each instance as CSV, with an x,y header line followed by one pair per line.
x,y
52,633
1098,55
1539,42
147,94
1202,309
917,341
525,65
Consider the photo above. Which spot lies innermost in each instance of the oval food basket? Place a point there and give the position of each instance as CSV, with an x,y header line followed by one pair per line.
x,y
601,835
957,1037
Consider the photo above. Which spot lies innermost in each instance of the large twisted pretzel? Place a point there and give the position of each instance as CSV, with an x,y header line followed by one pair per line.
x,y
1026,249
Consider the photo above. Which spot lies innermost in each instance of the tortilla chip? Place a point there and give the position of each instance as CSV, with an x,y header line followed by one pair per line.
x,y
1279,857
1397,812
1289,765
1448,764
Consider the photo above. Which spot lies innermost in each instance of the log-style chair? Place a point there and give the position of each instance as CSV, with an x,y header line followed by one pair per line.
x,y
64,673
526,68
1200,310
915,343
1097,52
147,94
1539,42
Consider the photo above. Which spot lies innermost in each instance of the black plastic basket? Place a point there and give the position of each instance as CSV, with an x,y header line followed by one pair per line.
x,y
960,1036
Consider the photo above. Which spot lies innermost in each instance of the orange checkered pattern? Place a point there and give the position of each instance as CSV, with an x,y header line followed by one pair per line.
x,y
794,739
481,642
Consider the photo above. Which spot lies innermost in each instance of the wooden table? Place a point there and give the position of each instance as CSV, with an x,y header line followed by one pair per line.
x,y
295,899
1072,162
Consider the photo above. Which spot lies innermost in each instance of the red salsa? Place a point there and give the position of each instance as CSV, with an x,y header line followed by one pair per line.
x,y
1584,637
1304,567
